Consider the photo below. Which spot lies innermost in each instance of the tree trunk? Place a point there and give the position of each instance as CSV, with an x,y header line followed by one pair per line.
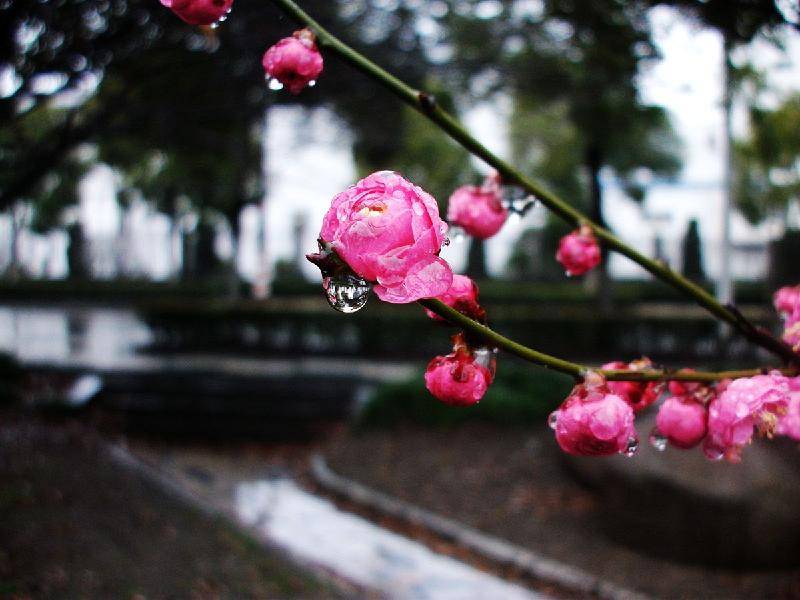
x,y
602,281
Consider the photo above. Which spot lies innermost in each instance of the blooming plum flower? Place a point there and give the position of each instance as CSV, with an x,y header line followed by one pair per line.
x,y
458,379
743,405
593,421
462,295
388,231
478,210
294,61
578,251
639,394
682,421
199,12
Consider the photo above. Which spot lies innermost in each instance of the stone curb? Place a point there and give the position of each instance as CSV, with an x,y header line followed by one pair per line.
x,y
122,457
490,547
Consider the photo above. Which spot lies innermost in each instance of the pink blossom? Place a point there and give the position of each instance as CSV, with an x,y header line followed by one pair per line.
x,y
457,379
787,299
478,210
744,404
789,424
593,421
462,295
682,420
388,231
639,394
294,61
791,332
199,12
578,251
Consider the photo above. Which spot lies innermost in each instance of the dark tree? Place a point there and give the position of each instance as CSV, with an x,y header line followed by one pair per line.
x,y
692,263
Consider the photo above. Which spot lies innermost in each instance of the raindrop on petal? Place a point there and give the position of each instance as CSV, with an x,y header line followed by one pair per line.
x,y
312,83
658,440
214,25
274,84
631,447
552,420
346,293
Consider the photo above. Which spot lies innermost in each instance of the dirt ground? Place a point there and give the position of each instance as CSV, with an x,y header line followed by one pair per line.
x,y
511,483
75,525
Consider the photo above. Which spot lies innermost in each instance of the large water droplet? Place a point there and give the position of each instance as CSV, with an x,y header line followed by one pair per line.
x,y
274,84
658,440
552,420
312,83
346,293
456,234
631,447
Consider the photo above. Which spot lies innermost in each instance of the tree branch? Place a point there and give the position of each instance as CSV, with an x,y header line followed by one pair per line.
x,y
427,105
579,370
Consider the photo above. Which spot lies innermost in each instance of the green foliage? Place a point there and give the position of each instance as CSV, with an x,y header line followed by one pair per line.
x,y
767,174
520,395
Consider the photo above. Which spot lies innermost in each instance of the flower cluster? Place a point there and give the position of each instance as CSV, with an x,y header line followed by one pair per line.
x,y
597,417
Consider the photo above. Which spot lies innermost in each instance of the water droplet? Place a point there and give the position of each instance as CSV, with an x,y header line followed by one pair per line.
x,y
274,84
552,420
658,440
346,293
215,25
223,18
456,234
713,452
631,447
487,358
312,83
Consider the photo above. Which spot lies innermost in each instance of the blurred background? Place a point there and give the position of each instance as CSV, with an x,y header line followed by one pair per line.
x,y
167,347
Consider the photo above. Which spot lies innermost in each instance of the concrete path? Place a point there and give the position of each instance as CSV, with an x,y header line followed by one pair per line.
x,y
315,531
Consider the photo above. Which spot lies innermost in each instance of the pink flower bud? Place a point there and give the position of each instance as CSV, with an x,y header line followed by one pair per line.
x,y
578,251
744,404
639,394
787,299
457,379
478,210
593,421
294,61
199,12
389,232
682,421
462,295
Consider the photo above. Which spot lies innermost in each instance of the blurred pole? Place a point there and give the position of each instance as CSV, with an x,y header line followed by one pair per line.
x,y
724,282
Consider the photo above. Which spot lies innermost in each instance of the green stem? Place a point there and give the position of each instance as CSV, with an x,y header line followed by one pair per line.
x,y
426,104
575,369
